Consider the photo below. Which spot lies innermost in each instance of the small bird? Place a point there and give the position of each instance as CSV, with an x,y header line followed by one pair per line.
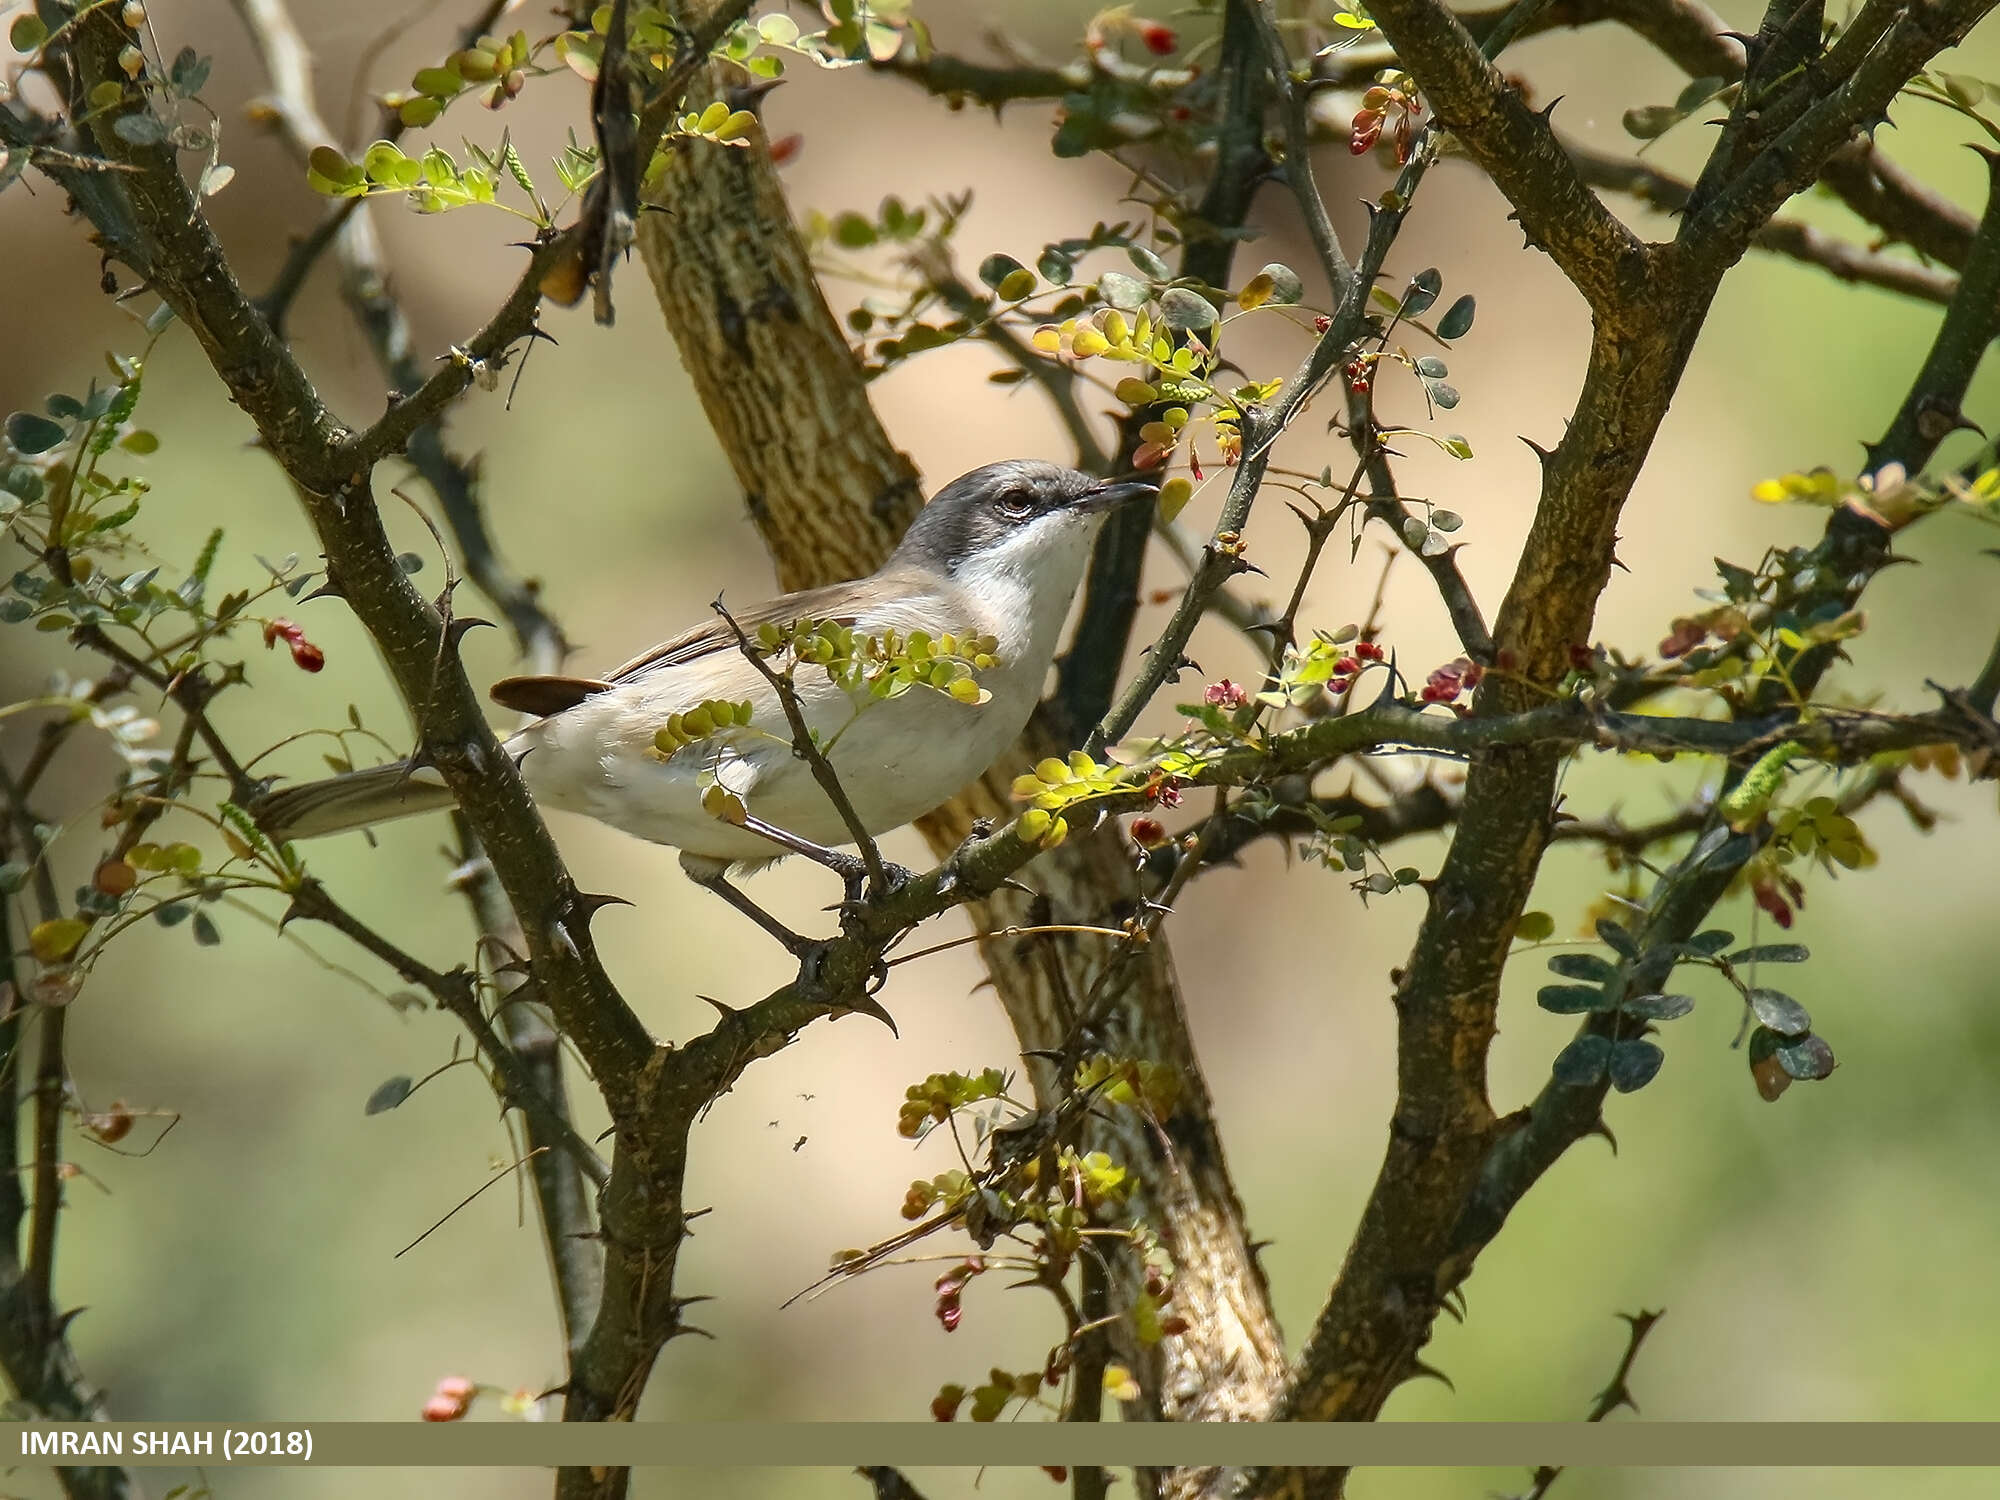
x,y
998,552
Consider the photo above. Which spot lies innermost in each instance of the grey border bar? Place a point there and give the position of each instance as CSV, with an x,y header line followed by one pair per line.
x,y
956,1444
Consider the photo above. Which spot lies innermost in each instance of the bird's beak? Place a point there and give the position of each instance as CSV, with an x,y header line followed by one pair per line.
x,y
1109,494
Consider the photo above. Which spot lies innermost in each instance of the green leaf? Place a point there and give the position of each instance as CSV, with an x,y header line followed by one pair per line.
x,y
141,128
1432,368
1697,93
1457,321
206,933
1771,953
13,875
1446,396
1617,938
1534,926
1658,1007
1570,999
1582,1063
188,73
1808,1058
1649,122
391,1093
1126,293
27,33
997,268
1780,1012
853,231
1708,944
1056,267
1150,263
1186,310
1633,1064
30,432
1422,292
1286,288
1586,966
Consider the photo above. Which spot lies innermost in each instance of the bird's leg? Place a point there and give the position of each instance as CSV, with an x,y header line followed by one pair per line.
x,y
851,868
716,881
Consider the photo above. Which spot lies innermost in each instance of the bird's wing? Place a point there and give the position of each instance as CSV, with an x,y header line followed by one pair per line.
x,y
546,696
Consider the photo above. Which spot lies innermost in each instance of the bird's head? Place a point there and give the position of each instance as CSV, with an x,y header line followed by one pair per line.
x,y
1023,520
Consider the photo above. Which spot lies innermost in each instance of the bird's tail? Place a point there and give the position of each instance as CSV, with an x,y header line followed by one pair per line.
x,y
355,799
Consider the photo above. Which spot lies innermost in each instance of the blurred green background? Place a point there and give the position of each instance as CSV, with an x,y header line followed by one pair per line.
x,y
1824,1258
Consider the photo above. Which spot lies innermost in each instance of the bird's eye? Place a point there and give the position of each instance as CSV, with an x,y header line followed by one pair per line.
x,y
1015,504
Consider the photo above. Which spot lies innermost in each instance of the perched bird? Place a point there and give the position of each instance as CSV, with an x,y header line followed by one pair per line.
x,y
998,552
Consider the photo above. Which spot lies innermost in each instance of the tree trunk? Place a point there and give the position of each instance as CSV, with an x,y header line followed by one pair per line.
x,y
830,494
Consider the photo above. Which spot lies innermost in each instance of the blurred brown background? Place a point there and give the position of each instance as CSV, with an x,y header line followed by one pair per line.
x,y
1827,1257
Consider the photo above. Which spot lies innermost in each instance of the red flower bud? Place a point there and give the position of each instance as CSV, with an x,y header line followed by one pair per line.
x,y
1224,694
1321,322
451,1400
1158,37
1148,833
307,656
1369,651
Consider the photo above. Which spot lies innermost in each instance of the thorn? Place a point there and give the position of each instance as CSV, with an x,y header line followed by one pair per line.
x,y
867,1006
1430,1372
1598,1127
692,1214
751,95
456,627
327,590
1547,110
1542,455
291,911
591,903
727,1012
1011,884
63,1320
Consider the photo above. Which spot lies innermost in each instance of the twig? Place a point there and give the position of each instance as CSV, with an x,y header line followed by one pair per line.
x,y
1333,262
1087,674
365,287
1787,237
288,61
806,748
501,1176
1614,1395
564,1189
1931,410
454,992
1514,146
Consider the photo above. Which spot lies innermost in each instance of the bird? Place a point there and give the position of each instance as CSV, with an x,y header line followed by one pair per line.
x,y
998,553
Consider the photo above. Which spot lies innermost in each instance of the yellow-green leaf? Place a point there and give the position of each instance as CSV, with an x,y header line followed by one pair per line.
x,y
53,941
